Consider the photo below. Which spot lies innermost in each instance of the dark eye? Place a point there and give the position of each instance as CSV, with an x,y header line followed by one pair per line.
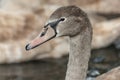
x,y
62,19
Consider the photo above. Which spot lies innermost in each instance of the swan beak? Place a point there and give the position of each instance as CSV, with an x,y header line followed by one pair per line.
x,y
46,34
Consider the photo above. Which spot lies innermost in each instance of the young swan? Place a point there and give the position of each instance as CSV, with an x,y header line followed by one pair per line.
x,y
73,22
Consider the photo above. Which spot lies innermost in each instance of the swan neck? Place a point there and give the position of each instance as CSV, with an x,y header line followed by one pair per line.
x,y
80,47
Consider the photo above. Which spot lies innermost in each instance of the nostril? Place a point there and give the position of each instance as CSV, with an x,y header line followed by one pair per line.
x,y
27,47
42,34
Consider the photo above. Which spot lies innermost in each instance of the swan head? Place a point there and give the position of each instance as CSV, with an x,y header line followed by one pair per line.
x,y
65,21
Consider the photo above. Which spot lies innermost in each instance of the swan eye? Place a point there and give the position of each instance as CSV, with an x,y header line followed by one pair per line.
x,y
62,19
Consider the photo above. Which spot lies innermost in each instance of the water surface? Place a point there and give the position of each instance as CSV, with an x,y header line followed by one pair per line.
x,y
54,69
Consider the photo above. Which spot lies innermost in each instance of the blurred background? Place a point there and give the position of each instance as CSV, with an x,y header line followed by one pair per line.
x,y
22,20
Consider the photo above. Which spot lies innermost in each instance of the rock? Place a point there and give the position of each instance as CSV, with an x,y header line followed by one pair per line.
x,y
98,59
98,6
101,6
90,78
113,74
117,43
22,20
93,73
20,5
104,33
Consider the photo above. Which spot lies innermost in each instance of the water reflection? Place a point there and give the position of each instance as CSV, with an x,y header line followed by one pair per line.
x,y
54,69
35,70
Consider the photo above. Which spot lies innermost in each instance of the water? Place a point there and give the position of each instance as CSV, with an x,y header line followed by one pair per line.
x,y
48,69
101,60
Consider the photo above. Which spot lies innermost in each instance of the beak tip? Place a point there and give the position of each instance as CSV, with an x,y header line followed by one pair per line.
x,y
27,47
